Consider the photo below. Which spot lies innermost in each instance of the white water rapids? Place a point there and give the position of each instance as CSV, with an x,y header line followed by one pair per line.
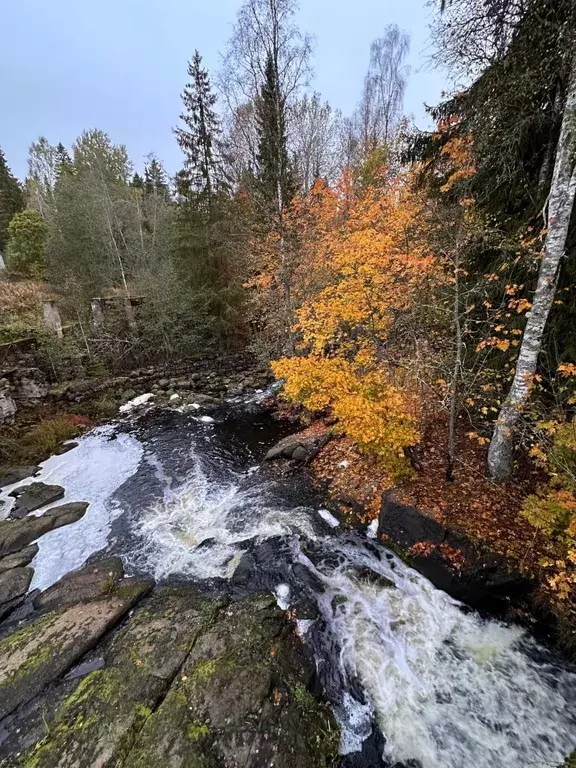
x,y
446,687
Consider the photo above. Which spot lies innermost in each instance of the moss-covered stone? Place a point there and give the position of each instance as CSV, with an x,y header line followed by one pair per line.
x,y
242,698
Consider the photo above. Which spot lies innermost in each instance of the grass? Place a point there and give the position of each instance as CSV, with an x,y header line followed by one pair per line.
x,y
38,443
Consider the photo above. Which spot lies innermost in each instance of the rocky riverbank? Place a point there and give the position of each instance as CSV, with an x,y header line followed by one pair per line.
x,y
108,670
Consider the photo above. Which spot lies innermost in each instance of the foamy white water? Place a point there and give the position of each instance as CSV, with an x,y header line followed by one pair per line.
x,y
91,472
448,688
219,516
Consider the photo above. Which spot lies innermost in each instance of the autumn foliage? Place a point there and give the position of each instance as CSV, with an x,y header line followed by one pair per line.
x,y
362,266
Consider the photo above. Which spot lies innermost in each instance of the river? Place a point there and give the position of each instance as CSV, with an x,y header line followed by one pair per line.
x,y
180,496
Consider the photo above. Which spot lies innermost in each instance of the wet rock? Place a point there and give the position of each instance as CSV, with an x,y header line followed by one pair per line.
x,y
17,474
88,583
14,583
365,575
18,559
298,447
196,397
32,657
16,534
33,496
242,698
8,407
97,722
65,514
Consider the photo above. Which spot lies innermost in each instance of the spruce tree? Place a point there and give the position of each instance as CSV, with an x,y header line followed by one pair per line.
x,y
137,182
275,177
63,161
11,199
203,201
198,140
155,182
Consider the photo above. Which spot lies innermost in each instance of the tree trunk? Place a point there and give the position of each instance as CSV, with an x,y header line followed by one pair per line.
x,y
560,205
457,369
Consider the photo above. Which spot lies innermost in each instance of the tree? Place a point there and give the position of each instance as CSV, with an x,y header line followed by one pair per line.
x,y
274,173
95,153
155,182
198,140
11,199
27,240
559,212
381,107
42,174
313,140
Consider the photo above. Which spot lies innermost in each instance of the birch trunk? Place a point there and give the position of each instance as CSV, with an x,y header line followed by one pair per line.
x,y
560,205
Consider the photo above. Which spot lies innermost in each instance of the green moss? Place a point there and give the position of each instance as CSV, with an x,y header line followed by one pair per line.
x,y
203,670
210,610
18,640
143,711
570,761
197,731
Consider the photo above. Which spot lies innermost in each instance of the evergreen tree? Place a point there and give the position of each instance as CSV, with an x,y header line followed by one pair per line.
x,y
11,199
63,161
137,182
276,180
202,223
155,182
198,140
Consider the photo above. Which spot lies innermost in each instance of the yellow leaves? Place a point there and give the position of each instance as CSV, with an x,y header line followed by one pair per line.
x,y
373,412
566,369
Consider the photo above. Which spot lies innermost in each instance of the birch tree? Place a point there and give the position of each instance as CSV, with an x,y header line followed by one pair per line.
x,y
559,211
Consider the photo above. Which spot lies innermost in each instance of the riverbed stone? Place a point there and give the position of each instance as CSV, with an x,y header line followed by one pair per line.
x,y
31,497
299,447
85,584
18,559
32,657
18,473
65,514
97,723
16,534
241,698
14,583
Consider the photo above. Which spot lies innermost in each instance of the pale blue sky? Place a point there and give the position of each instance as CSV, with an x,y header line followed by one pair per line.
x,y
120,65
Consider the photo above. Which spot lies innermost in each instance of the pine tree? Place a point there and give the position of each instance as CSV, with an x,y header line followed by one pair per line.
x,y
275,177
198,140
11,199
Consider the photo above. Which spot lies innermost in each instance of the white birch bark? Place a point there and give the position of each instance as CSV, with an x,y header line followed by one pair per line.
x,y
560,205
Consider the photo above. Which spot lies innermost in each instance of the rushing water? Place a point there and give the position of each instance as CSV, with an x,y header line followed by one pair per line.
x,y
178,496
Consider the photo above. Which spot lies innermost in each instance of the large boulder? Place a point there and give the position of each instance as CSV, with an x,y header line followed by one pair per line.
x,y
300,447
18,559
14,583
37,654
241,698
31,497
189,681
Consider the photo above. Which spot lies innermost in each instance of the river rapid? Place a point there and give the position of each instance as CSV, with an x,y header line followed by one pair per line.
x,y
414,677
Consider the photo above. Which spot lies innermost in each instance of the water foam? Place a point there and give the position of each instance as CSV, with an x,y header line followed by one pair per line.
x,y
448,688
198,528
91,472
